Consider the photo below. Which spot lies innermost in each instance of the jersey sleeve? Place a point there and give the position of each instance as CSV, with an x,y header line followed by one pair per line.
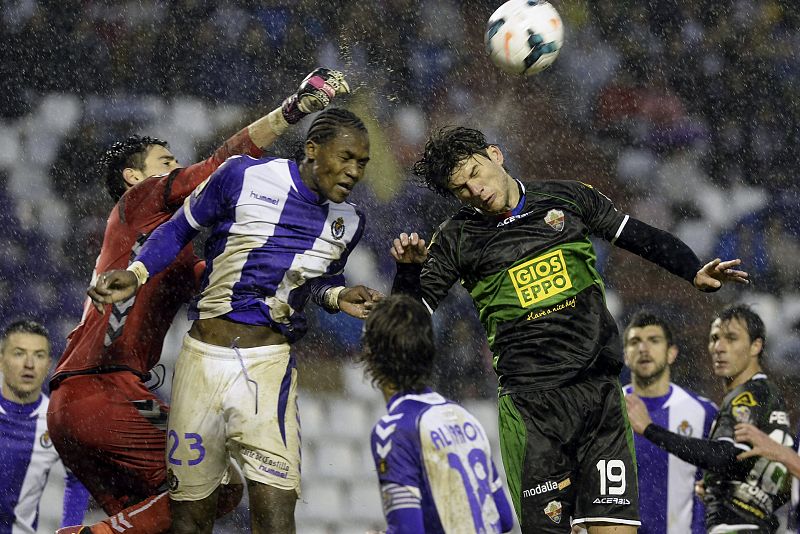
x,y
208,203
180,184
598,212
441,269
395,451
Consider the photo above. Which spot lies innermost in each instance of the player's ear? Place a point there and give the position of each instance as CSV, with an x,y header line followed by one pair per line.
x,y
131,176
495,154
672,354
756,346
311,150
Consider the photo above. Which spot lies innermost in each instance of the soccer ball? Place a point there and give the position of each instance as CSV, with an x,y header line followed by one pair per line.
x,y
524,36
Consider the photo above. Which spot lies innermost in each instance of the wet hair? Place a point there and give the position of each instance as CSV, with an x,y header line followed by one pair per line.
x,y
129,153
444,151
23,326
327,125
645,318
397,347
751,320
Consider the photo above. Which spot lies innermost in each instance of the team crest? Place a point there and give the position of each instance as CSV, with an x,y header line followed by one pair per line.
x,y
553,511
172,480
685,429
337,228
555,220
383,466
45,441
741,414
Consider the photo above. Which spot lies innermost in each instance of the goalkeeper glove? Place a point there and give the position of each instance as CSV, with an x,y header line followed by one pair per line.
x,y
314,94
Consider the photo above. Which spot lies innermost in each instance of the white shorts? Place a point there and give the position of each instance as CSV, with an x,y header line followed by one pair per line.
x,y
217,412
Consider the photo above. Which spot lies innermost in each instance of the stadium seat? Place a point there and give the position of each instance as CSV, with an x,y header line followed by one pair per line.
x,y
335,458
314,420
356,385
321,501
192,116
364,500
349,418
10,146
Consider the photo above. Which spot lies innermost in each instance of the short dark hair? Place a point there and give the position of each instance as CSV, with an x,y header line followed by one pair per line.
x,y
23,326
397,347
646,318
121,155
444,151
327,125
752,322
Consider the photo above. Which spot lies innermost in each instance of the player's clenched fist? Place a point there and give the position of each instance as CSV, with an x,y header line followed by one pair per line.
x,y
112,286
314,94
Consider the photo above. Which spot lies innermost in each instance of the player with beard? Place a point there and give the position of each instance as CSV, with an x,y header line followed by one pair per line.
x,y
667,502
740,496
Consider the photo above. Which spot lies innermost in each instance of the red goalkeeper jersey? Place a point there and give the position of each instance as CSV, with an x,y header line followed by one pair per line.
x,y
129,336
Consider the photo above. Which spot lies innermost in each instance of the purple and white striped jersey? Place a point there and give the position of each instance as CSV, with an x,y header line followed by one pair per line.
x,y
270,235
667,502
26,457
435,468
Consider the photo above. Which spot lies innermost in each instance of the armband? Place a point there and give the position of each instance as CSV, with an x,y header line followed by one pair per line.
x,y
140,271
331,297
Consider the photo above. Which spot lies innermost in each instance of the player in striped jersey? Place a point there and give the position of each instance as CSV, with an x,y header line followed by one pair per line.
x,y
667,502
106,424
26,453
281,232
433,457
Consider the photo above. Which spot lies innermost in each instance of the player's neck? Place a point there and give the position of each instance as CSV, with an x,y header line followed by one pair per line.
x,y
655,388
736,381
18,397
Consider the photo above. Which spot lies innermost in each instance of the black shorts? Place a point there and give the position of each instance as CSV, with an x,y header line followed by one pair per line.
x,y
569,456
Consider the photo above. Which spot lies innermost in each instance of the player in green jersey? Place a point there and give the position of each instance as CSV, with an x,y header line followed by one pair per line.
x,y
522,250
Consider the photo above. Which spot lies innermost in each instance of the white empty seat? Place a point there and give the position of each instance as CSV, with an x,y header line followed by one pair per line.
x,y
313,416
321,501
192,116
486,412
335,459
10,146
58,112
365,500
349,418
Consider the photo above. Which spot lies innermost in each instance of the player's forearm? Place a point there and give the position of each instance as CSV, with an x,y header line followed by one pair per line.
x,y
165,243
716,456
267,129
659,247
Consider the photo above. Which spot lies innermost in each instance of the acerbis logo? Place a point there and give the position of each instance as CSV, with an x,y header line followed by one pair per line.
x,y
612,500
509,220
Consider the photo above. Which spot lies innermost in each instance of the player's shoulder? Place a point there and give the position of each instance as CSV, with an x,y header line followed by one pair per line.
x,y
684,395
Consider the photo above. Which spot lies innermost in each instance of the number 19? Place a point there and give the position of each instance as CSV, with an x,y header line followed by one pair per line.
x,y
613,472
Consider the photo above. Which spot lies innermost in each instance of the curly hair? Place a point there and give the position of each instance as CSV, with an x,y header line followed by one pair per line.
x,y
129,153
444,151
397,347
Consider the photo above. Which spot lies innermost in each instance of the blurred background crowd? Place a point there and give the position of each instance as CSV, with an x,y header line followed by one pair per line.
x,y
686,114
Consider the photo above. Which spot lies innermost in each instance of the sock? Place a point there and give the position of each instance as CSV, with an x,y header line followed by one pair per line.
x,y
151,516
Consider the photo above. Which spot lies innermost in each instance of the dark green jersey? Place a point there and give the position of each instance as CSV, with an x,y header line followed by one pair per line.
x,y
533,279
765,488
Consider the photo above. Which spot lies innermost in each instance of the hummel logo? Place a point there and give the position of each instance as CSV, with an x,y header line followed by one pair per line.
x,y
263,198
